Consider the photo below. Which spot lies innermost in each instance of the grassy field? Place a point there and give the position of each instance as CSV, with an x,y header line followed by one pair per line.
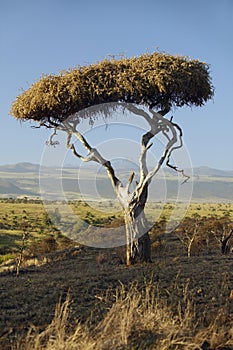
x,y
16,216
84,298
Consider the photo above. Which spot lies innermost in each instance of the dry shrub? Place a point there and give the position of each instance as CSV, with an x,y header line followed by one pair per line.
x,y
57,335
101,259
138,319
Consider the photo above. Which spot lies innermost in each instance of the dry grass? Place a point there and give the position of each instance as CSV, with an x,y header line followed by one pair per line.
x,y
167,313
138,319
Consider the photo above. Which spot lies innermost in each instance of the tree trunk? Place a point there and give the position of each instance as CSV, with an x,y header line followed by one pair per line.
x,y
189,249
224,246
145,248
138,244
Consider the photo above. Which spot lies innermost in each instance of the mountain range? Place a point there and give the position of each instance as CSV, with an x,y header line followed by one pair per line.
x,y
22,179
27,167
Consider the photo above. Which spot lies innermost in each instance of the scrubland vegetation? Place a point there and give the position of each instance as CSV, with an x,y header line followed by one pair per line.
x,y
86,298
137,319
18,216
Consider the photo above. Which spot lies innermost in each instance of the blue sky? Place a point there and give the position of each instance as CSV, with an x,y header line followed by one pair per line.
x,y
47,36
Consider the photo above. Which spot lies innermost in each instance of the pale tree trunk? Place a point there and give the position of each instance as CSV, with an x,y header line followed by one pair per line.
x,y
138,245
189,247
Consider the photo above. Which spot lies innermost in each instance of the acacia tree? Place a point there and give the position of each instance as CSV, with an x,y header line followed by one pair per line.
x,y
189,233
154,81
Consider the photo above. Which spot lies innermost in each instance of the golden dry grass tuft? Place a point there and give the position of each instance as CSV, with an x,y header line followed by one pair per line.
x,y
138,319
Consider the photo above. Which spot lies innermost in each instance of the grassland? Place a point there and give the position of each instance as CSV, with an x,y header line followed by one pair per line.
x,y
16,216
86,298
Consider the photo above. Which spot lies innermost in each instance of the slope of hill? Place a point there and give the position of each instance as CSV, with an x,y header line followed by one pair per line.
x,y
20,168
206,171
9,188
23,179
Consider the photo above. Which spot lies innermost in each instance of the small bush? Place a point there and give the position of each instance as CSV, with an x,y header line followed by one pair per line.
x,y
46,245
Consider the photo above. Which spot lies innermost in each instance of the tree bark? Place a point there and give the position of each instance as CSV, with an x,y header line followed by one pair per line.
x,y
138,244
224,246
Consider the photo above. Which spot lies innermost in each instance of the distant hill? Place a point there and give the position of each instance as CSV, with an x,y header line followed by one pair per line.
x,y
9,188
20,168
206,171
27,167
22,179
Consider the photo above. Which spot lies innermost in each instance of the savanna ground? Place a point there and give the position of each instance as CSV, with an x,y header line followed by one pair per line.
x,y
75,297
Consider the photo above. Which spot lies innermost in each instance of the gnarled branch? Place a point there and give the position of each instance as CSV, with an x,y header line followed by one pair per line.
x,y
173,133
93,154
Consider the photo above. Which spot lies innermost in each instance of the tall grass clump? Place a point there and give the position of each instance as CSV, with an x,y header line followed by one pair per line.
x,y
137,319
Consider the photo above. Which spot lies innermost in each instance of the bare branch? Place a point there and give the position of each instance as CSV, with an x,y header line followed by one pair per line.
x,y
72,147
230,234
176,126
51,141
79,136
173,128
93,154
157,124
130,181
173,133
163,111
145,138
138,111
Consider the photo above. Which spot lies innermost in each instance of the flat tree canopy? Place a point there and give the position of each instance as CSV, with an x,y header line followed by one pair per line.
x,y
156,80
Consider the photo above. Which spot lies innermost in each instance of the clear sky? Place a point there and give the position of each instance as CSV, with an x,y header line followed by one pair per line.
x,y
46,36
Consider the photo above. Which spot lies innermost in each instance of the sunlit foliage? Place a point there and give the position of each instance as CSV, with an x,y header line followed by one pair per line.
x,y
156,80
